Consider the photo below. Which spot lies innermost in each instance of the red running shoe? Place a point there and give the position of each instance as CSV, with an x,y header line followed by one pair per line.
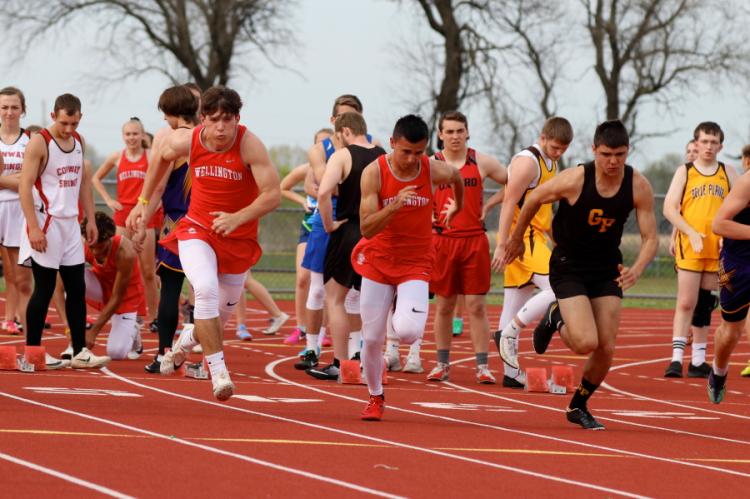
x,y
374,409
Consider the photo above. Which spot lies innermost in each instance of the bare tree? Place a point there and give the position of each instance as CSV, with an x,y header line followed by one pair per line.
x,y
649,49
199,39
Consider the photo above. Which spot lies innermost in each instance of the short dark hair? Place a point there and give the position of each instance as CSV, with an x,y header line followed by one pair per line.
x,y
193,86
350,100
453,116
16,92
746,151
68,103
179,101
104,225
709,128
220,98
353,121
411,127
611,133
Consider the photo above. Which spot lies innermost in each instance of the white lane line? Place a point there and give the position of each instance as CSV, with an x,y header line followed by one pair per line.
x,y
64,476
270,372
458,457
242,457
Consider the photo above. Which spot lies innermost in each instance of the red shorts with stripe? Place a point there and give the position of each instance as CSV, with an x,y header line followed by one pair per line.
x,y
121,215
462,265
234,256
389,269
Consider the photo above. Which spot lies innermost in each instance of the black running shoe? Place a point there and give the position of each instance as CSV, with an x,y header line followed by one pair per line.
x,y
154,327
496,337
329,373
544,330
47,325
674,370
584,418
309,360
153,367
509,382
717,387
701,371
357,357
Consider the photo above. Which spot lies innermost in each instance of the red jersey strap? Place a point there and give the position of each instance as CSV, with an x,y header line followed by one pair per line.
x,y
471,156
47,136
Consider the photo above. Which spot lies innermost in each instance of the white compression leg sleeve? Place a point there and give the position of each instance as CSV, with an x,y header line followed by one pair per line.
x,y
317,294
375,301
231,286
411,312
513,300
122,335
199,264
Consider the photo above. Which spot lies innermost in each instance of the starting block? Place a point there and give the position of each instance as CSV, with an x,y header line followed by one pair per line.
x,y
198,370
8,358
536,379
350,372
562,380
34,356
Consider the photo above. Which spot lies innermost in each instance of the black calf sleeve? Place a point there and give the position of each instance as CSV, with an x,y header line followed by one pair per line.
x,y
75,303
44,286
169,305
706,304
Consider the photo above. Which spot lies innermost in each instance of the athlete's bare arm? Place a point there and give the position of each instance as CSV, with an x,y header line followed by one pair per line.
x,y
732,175
522,172
8,181
34,157
643,202
294,177
672,208
443,173
125,261
492,201
566,185
490,167
311,186
109,163
86,201
269,191
337,169
372,218
316,156
737,200
155,199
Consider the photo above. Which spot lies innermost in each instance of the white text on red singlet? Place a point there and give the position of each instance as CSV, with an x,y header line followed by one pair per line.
x,y
415,201
217,172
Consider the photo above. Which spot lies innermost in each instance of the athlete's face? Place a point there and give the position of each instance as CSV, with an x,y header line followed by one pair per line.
x,y
132,135
745,163
691,152
65,124
406,155
220,127
610,160
172,121
454,135
708,145
341,109
553,148
10,109
100,250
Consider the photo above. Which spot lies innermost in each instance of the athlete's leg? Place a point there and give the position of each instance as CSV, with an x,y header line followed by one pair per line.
x,y
411,311
479,326
124,329
607,311
443,327
513,301
579,330
688,284
262,295
301,287
375,302
58,299
726,338
231,288
201,268
338,321
351,305
44,286
315,304
147,263
169,305
704,307
75,303
23,281
11,293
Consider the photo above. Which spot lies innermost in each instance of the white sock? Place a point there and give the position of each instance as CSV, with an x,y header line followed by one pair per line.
x,y
698,353
187,339
415,348
720,372
311,341
511,330
355,343
321,337
215,363
678,348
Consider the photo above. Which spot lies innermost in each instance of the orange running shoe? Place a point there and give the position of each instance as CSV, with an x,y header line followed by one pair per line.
x,y
374,409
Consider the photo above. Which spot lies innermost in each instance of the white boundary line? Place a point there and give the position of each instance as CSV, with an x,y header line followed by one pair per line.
x,y
375,439
242,457
64,476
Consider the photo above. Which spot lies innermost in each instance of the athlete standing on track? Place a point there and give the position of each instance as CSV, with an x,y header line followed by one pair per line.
x,y
462,251
586,269
528,170
695,194
234,183
51,238
732,222
395,254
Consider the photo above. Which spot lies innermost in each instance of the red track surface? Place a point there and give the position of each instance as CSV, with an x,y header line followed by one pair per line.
x,y
135,434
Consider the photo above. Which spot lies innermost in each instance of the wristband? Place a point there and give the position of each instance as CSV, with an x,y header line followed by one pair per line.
x,y
142,200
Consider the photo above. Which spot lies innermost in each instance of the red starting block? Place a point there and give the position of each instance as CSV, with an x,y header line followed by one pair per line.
x,y
350,372
8,358
536,379
35,356
562,380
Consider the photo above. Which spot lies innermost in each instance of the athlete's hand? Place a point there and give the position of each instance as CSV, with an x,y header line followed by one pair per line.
x,y
38,240
91,335
696,241
672,247
135,217
627,277
403,195
514,248
138,238
92,233
449,212
497,259
114,205
335,225
306,206
225,223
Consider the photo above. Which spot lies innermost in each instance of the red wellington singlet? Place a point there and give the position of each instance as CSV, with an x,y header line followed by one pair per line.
x,y
106,272
467,222
130,178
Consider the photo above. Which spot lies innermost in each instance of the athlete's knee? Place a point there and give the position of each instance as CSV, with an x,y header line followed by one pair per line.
x,y
23,282
584,344
206,301
317,293
707,302
408,328
351,302
686,303
445,307
475,306
118,351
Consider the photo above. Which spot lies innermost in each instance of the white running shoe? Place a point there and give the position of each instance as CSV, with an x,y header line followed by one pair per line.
x,y
87,360
484,376
137,348
441,372
176,356
54,364
67,354
392,361
509,350
276,323
223,386
413,365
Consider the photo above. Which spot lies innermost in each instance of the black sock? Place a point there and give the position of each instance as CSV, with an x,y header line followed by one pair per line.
x,y
169,304
336,362
585,390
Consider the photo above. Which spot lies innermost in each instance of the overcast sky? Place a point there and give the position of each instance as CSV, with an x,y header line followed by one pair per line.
x,y
342,50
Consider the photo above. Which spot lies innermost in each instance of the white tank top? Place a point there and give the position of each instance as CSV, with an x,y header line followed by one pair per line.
x,y
13,160
528,154
60,182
